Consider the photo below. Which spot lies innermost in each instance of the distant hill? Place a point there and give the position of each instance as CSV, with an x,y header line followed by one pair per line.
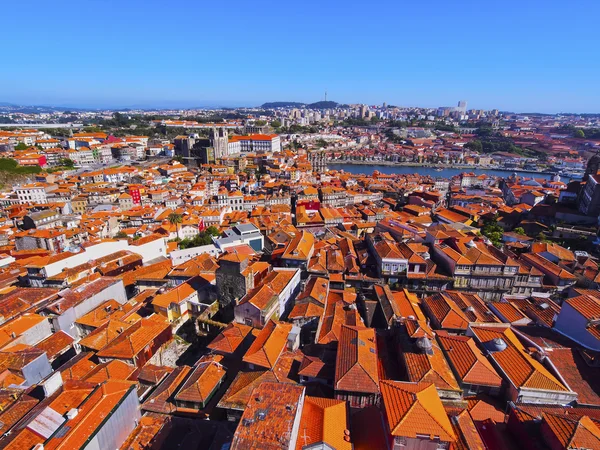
x,y
272,105
322,105
316,105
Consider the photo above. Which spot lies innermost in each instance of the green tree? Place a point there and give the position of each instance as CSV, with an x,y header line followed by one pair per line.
x,y
493,232
579,134
213,231
21,146
202,238
520,230
260,123
475,146
66,162
485,131
175,219
121,235
276,124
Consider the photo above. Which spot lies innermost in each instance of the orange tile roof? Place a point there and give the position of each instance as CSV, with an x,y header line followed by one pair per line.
x,y
315,290
269,418
112,370
178,295
144,433
101,314
26,439
268,345
92,415
55,344
161,399
305,310
483,408
415,409
239,391
203,381
20,325
431,368
324,421
104,335
573,433
152,374
467,436
77,367
228,340
468,362
135,339
472,306
356,362
522,369
509,311
14,405
300,247
445,313
268,292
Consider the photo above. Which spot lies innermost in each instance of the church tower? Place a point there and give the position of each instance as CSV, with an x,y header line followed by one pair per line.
x,y
219,140
593,166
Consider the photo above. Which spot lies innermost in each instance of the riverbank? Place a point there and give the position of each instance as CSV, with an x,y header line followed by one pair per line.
x,y
433,171
434,166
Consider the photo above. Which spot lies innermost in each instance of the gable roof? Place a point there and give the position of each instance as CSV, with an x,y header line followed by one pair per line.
x,y
268,345
522,369
415,409
202,382
133,341
324,421
356,362
445,312
229,339
467,360
573,433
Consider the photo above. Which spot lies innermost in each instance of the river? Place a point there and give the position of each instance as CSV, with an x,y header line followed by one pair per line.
x,y
368,169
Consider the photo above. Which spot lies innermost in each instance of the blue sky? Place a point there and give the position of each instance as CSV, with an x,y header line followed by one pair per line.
x,y
525,55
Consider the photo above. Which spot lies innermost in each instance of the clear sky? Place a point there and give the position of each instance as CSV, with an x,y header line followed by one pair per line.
x,y
525,55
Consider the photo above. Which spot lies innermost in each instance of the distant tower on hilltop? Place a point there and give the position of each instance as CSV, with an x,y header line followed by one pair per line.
x,y
325,95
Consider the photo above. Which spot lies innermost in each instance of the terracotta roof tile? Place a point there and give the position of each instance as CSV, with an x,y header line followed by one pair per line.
x,y
228,340
521,368
573,433
269,417
415,409
324,421
467,360
268,345
203,381
356,363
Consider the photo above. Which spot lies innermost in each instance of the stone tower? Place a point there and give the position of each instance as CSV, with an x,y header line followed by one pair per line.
x,y
219,141
593,166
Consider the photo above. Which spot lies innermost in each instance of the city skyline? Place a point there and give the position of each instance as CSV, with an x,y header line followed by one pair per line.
x,y
528,61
